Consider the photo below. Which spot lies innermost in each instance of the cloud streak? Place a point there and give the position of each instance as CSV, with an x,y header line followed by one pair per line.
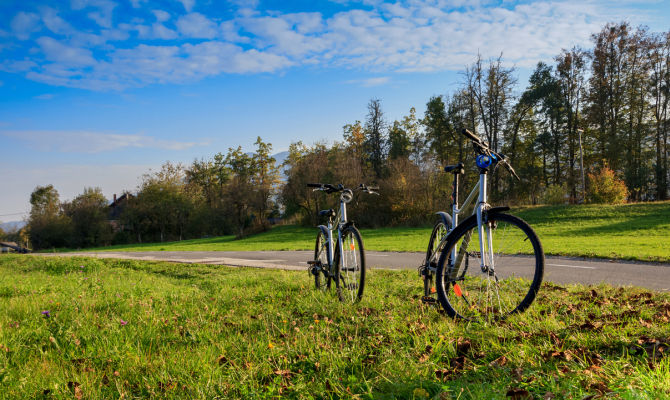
x,y
93,142
376,37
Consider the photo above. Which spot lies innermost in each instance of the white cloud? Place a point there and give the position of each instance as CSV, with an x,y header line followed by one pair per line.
x,y
23,24
64,55
381,38
137,3
55,23
160,31
370,82
196,25
103,10
188,4
161,16
92,142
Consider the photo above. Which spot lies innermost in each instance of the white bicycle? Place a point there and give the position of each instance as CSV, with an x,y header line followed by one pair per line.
x,y
491,264
341,258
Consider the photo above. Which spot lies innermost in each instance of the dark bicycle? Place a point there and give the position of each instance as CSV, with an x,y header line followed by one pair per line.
x,y
344,262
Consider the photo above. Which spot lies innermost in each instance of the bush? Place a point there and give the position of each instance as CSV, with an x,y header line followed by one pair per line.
x,y
605,187
555,194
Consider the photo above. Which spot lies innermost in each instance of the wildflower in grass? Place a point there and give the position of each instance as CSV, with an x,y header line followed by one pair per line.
x,y
81,266
270,345
46,313
123,322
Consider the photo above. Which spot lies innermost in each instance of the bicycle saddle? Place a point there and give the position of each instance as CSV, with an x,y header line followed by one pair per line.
x,y
327,213
456,169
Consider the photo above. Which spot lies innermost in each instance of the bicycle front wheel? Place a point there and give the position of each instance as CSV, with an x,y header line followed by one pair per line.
x,y
502,281
350,266
320,268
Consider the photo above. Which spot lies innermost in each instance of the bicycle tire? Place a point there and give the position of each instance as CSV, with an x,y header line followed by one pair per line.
x,y
350,272
440,229
322,279
468,291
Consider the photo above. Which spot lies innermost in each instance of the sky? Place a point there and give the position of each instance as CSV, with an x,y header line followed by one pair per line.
x,y
95,93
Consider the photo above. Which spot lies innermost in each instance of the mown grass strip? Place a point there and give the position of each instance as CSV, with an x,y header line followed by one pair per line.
x,y
130,329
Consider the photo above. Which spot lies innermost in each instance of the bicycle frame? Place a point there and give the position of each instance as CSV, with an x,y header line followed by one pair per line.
x,y
457,256
342,217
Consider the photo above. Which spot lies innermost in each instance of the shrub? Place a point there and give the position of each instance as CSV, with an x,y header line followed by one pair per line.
x,y
555,194
605,187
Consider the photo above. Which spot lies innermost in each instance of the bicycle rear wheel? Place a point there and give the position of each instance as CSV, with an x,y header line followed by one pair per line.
x,y
322,278
503,282
440,230
350,266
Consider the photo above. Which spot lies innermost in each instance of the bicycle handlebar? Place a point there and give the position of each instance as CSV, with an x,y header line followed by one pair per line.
x,y
328,188
472,137
483,148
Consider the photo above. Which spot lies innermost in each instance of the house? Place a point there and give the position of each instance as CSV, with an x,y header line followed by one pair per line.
x,y
6,247
116,209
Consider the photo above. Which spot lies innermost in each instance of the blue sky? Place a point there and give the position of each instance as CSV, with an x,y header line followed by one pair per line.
x,y
96,92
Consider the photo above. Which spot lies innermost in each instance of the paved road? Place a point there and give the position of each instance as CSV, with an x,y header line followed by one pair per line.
x,y
557,269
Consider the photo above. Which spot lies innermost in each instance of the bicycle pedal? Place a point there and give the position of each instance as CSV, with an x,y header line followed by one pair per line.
x,y
429,300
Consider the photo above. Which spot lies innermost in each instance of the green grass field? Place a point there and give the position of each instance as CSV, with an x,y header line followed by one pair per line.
x,y
631,231
91,329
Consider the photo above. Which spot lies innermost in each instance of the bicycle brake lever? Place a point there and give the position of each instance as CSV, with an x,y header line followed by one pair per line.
x,y
511,170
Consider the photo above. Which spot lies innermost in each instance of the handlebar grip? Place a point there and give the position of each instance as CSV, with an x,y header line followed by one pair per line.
x,y
471,136
315,185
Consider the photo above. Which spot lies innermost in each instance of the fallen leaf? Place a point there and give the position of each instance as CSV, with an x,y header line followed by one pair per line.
x,y
283,373
518,394
498,362
221,360
75,387
463,346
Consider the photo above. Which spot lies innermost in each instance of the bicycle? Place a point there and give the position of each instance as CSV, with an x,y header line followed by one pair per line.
x,y
345,264
490,265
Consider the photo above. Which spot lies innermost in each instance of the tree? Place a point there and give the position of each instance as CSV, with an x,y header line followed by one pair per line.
x,y
438,132
354,138
400,145
88,213
240,195
375,137
659,88
264,181
162,206
570,79
302,166
47,226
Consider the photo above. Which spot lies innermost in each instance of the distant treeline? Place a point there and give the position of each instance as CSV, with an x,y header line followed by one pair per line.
x,y
609,104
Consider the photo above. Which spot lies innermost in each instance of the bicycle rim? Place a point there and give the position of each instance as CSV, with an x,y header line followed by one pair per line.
x,y
351,267
432,257
321,278
501,282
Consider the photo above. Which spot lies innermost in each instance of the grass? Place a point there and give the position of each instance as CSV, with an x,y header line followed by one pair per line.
x,y
129,329
632,231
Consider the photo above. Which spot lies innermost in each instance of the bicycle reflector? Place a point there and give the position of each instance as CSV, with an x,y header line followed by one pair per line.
x,y
484,161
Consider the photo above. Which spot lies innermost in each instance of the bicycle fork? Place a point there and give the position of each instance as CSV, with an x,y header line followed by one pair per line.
x,y
484,231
